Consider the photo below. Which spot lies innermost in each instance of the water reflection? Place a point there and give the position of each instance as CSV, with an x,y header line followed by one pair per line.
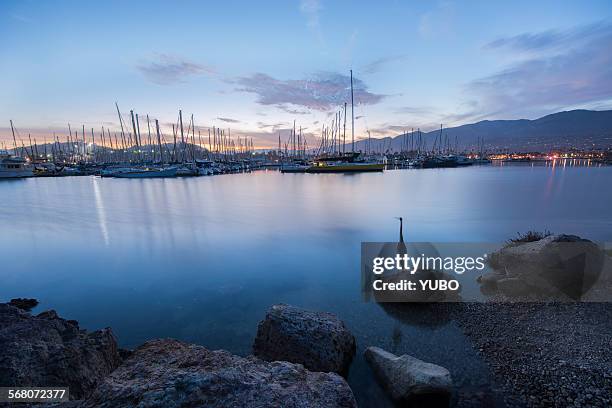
x,y
101,211
202,259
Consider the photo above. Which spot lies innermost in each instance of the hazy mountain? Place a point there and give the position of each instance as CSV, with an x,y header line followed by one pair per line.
x,y
576,128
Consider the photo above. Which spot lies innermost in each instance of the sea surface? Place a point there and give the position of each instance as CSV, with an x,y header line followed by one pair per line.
x,y
201,259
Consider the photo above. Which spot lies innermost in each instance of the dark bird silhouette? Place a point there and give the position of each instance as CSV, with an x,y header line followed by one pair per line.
x,y
401,246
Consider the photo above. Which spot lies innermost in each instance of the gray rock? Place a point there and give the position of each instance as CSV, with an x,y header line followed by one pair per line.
x,y
46,350
406,378
320,341
169,373
557,265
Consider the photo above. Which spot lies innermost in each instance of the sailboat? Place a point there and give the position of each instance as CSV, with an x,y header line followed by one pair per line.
x,y
346,163
351,162
13,166
136,172
297,162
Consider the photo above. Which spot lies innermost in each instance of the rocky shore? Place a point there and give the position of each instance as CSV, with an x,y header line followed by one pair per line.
x,y
299,359
170,373
545,354
545,348
45,350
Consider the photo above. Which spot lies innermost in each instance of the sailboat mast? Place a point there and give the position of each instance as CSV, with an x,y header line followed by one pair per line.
x,y
300,142
134,128
344,131
138,138
83,137
149,137
120,123
14,139
161,154
93,145
352,115
293,137
192,139
182,136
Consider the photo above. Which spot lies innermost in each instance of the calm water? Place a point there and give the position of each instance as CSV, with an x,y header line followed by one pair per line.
x,y
202,259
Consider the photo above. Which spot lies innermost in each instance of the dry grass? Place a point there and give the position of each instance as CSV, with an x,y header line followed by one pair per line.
x,y
529,236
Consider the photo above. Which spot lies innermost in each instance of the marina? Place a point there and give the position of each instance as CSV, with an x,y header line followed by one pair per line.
x,y
306,204
135,157
150,154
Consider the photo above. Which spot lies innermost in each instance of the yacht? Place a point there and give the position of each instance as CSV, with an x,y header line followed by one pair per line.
x,y
13,166
136,172
345,163
295,166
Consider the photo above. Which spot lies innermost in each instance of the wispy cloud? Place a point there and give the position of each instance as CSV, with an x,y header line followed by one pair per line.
x,y
310,9
229,120
168,69
269,138
262,125
414,110
389,129
378,64
292,111
321,92
437,21
570,68
544,40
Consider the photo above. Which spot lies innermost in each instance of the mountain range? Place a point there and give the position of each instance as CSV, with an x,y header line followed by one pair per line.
x,y
582,129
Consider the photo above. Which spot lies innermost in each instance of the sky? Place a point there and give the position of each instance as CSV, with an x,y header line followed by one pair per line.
x,y
255,67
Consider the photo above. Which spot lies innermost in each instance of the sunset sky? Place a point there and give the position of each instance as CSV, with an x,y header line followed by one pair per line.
x,y
255,66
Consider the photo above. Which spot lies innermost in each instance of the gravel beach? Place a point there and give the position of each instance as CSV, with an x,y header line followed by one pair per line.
x,y
545,354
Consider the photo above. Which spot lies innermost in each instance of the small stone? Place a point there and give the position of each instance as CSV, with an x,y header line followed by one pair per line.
x,y
406,377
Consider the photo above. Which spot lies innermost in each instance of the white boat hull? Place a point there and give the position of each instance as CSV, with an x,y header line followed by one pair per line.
x,y
141,173
148,174
12,174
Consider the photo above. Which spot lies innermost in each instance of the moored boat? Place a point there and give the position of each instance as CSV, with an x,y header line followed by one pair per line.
x,y
297,166
346,163
187,170
129,172
433,162
13,166
345,167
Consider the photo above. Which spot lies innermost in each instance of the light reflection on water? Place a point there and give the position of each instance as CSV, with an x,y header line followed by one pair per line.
x,y
202,259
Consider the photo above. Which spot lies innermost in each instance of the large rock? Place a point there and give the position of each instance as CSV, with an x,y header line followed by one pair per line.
x,y
46,351
407,378
170,373
320,341
557,265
